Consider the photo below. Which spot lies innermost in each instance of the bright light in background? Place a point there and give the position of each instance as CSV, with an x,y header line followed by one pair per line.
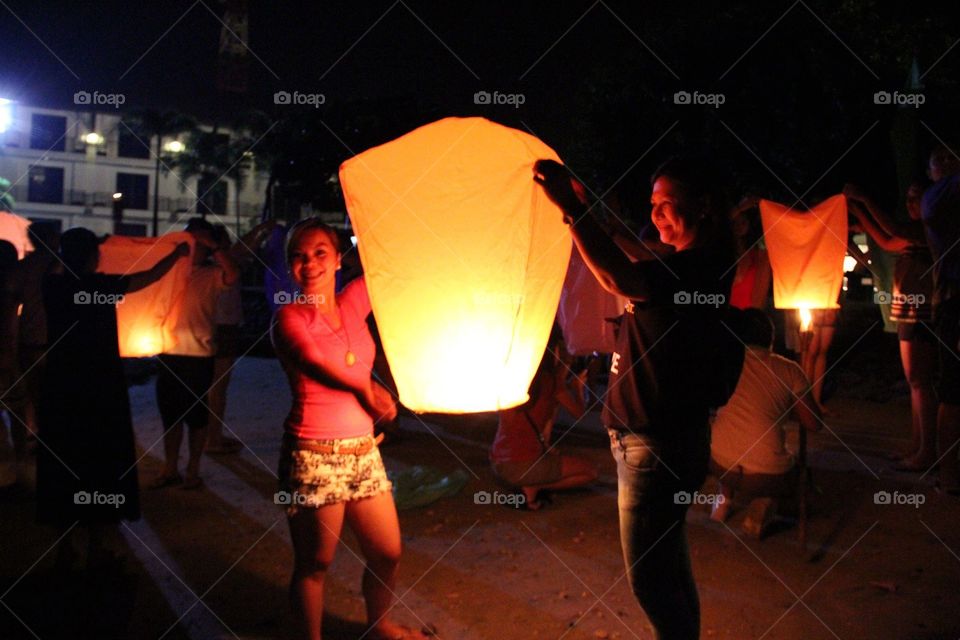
x,y
174,146
849,264
93,138
6,114
117,195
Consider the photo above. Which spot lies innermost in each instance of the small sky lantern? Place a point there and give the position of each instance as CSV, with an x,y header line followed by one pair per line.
x,y
144,317
806,250
13,229
464,257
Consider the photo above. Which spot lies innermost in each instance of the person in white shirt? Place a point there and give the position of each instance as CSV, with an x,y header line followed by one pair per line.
x,y
186,369
748,452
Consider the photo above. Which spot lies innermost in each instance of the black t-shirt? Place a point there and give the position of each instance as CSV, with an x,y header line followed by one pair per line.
x,y
82,316
664,371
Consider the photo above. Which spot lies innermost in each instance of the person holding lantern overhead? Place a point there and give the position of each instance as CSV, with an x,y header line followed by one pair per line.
x,y
330,468
940,212
84,418
673,361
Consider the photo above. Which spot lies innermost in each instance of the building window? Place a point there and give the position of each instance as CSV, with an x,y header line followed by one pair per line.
x,y
46,185
131,146
48,132
135,189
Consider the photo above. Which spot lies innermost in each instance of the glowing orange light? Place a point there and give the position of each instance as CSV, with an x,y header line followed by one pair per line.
x,y
13,229
806,251
464,257
144,317
806,319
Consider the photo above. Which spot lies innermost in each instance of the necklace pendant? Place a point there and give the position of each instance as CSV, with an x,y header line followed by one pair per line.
x,y
350,359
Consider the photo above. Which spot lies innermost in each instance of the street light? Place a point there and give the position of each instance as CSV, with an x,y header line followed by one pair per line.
x,y
6,114
172,146
117,211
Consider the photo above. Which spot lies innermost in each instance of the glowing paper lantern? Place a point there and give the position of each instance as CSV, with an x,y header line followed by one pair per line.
x,y
13,229
144,318
584,310
806,251
464,257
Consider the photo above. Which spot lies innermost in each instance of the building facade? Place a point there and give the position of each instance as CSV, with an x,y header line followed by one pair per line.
x,y
88,169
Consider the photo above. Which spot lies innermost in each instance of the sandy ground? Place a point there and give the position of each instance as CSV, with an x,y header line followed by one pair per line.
x,y
215,563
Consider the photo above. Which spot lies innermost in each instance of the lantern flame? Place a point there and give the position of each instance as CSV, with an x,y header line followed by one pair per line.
x,y
806,319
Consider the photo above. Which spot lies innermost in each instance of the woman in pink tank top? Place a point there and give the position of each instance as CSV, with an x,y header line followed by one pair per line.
x,y
330,467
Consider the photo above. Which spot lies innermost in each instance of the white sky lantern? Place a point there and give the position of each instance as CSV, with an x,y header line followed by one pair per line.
x,y
806,250
145,317
13,229
464,257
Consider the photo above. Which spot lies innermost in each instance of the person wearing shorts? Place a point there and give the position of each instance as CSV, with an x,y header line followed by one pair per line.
x,y
521,455
940,211
330,469
185,373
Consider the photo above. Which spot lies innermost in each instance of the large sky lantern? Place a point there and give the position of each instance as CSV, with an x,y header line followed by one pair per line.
x,y
806,250
464,256
145,317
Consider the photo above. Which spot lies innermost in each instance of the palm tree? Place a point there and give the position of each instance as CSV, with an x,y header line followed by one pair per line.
x,y
155,124
214,156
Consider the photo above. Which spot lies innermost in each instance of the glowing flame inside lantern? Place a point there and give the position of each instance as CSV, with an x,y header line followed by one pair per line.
x,y
144,317
144,344
464,257
806,319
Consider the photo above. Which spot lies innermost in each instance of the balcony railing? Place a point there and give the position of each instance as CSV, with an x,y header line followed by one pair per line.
x,y
166,204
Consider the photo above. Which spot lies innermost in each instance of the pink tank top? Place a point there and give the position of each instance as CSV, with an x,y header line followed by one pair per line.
x,y
320,412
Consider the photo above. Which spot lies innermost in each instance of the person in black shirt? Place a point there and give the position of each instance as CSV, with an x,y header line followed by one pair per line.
x,y
86,466
665,375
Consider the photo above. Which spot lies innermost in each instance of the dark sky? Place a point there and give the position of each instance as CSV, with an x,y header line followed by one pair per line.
x,y
598,77
359,48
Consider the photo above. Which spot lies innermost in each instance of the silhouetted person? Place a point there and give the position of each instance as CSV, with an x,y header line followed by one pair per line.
x,y
86,465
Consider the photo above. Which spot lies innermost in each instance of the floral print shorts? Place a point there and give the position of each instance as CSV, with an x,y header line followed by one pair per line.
x,y
312,479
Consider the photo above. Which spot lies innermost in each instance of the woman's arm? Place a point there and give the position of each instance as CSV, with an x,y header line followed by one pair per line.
x,y
886,241
879,218
246,247
143,279
571,397
608,263
290,336
761,285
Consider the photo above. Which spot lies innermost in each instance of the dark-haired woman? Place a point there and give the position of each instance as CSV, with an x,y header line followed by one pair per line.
x,y
912,309
86,464
330,467
662,378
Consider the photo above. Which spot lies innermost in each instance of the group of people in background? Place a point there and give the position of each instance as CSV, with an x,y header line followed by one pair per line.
x,y
691,389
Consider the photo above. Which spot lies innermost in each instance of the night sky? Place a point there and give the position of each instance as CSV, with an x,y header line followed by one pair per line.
x,y
597,78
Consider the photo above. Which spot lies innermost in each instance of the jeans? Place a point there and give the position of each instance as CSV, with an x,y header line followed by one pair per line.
x,y
651,471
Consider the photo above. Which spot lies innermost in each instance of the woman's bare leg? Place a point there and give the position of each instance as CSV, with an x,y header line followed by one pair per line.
x,y
217,399
375,523
822,338
919,361
315,534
